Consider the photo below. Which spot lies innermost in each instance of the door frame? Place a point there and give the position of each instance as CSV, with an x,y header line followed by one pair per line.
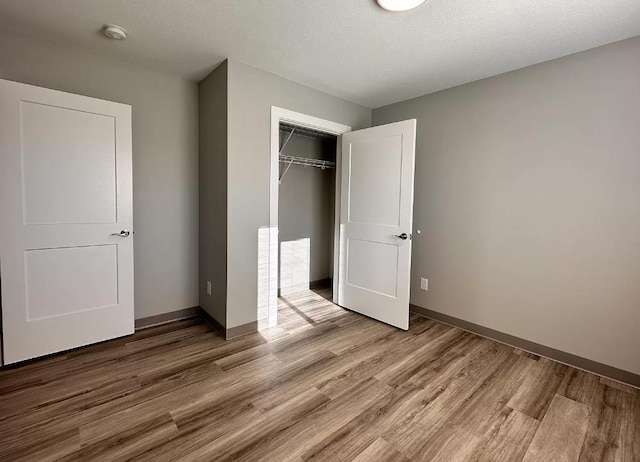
x,y
279,115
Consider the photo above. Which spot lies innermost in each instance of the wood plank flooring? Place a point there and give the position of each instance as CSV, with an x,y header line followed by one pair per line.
x,y
326,384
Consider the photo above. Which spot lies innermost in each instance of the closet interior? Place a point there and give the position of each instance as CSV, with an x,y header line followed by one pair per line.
x,y
306,209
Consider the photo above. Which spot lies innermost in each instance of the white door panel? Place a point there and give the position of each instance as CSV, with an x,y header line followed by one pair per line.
x,y
374,182
362,256
59,143
89,280
376,207
65,170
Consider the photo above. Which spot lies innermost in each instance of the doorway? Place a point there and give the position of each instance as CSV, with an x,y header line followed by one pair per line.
x,y
306,204
373,216
300,251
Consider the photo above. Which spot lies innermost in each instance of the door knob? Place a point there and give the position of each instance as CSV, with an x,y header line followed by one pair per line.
x,y
402,236
123,233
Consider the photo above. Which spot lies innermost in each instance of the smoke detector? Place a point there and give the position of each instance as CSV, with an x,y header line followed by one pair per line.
x,y
114,32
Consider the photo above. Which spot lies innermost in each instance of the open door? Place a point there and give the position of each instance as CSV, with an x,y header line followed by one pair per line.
x,y
376,219
66,237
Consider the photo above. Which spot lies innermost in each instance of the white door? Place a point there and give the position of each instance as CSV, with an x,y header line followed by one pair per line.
x,y
376,218
65,190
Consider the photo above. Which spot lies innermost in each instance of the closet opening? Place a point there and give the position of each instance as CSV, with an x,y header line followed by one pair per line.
x,y
298,252
306,205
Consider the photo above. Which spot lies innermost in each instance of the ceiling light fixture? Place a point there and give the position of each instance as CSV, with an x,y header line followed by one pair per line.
x,y
400,5
114,32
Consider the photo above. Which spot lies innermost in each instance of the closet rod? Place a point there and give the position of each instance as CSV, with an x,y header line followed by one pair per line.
x,y
305,162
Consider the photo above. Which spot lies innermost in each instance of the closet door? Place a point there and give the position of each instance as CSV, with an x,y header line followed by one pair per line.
x,y
376,216
66,239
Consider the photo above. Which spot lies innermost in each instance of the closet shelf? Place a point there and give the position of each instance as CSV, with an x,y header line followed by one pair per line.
x,y
307,132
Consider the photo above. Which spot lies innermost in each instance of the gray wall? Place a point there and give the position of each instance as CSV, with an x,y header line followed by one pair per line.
x,y
528,198
307,203
165,158
213,192
252,92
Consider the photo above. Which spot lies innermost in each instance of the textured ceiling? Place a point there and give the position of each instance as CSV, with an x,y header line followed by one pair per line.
x,y
349,48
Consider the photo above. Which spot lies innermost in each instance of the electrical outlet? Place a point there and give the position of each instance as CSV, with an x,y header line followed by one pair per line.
x,y
424,284
208,287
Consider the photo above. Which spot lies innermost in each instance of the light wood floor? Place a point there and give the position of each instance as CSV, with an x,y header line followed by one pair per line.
x,y
326,384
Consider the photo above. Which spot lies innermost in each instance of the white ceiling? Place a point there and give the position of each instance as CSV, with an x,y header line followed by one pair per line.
x,y
349,48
